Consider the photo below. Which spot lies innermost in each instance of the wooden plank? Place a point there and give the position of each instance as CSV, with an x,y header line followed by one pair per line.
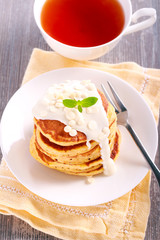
x,y
18,36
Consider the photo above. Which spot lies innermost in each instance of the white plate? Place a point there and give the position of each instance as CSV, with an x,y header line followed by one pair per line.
x,y
17,128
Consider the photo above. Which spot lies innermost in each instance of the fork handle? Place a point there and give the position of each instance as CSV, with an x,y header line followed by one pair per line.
x,y
144,152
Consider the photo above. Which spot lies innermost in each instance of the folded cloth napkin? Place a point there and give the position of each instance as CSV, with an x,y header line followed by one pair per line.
x,y
123,218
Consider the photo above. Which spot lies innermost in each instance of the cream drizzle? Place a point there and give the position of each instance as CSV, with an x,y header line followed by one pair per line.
x,y
92,121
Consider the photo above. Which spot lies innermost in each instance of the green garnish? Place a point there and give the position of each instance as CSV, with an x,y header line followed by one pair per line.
x,y
80,108
85,103
69,103
88,102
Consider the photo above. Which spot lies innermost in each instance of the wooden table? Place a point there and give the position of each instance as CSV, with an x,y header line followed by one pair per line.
x,y
18,36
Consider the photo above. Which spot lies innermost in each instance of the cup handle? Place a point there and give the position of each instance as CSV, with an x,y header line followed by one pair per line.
x,y
143,12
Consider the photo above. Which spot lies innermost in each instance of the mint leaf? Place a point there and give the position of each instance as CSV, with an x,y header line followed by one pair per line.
x,y
78,102
80,108
70,103
88,102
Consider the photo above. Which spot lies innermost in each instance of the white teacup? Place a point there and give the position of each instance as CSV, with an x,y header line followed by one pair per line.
x,y
88,53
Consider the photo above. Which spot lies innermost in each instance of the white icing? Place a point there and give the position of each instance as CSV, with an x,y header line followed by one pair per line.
x,y
83,95
88,144
80,121
106,131
92,121
70,115
90,87
52,108
101,136
92,125
72,132
90,180
92,109
67,128
72,123
110,169
59,105
59,101
43,113
52,101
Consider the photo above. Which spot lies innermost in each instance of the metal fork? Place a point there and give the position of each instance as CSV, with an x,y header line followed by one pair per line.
x,y
122,119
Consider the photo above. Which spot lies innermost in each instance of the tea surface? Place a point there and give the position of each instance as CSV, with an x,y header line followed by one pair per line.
x,y
83,23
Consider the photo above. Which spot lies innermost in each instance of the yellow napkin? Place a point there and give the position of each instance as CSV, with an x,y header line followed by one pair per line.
x,y
123,218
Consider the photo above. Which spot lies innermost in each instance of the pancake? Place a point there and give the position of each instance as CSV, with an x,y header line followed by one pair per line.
x,y
91,168
54,163
54,131
53,147
75,154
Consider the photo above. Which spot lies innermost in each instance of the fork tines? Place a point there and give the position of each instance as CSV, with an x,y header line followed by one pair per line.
x,y
116,102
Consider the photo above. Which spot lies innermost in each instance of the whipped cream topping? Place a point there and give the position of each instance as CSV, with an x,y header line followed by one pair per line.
x,y
92,121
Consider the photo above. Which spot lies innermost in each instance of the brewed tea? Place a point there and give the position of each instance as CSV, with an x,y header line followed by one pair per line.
x,y
83,23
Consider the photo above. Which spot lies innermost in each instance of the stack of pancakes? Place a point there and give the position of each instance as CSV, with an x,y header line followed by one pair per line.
x,y
53,147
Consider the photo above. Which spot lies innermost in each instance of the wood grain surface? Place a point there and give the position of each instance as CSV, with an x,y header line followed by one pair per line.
x,y
18,36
